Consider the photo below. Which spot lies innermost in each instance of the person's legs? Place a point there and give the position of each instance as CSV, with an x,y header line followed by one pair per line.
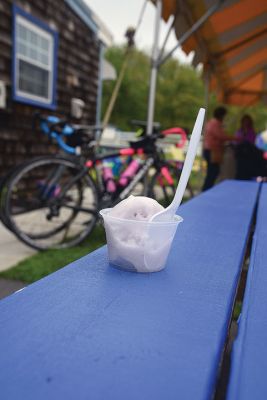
x,y
213,170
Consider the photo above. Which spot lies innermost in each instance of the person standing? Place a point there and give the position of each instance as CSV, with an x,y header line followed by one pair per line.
x,y
246,132
249,159
214,138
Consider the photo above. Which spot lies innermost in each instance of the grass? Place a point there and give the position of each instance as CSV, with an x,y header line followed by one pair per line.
x,y
46,262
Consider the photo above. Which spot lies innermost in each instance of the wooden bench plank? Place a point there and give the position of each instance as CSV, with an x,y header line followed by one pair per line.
x,y
249,358
91,331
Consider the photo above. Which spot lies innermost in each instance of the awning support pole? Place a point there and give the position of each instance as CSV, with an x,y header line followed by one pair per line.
x,y
166,38
192,30
207,89
207,77
157,59
154,70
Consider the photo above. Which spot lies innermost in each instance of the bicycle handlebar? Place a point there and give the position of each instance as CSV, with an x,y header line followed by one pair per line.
x,y
64,146
57,128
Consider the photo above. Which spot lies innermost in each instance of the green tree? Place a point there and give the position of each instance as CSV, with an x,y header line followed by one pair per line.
x,y
131,102
180,93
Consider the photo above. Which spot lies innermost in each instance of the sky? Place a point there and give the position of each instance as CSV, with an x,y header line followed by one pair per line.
x,y
118,15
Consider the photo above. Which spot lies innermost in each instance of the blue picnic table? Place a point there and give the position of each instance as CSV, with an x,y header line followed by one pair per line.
x,y
90,331
249,359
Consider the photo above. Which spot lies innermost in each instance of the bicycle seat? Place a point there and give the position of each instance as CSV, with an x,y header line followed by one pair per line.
x,y
147,143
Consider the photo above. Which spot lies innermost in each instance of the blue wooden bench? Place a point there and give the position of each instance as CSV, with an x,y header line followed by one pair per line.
x,y
249,359
90,331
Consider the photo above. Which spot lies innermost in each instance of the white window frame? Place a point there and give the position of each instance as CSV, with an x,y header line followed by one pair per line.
x,y
22,95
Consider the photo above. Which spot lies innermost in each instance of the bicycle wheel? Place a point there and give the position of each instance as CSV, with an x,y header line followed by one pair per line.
x,y
51,203
164,182
3,191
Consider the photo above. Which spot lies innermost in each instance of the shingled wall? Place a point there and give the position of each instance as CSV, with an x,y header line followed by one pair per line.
x,y
77,76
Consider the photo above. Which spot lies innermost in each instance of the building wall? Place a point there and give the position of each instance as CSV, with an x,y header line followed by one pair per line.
x,y
77,76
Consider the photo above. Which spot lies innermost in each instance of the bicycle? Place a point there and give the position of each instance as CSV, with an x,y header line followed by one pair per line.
x,y
54,128
64,194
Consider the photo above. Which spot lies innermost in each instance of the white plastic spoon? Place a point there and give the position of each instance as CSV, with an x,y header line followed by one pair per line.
x,y
168,213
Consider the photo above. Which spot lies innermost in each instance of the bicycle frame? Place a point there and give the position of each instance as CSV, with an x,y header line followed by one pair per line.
x,y
121,191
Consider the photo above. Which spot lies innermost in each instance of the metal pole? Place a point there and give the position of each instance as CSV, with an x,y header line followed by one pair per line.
x,y
192,30
207,89
141,16
206,102
154,70
167,37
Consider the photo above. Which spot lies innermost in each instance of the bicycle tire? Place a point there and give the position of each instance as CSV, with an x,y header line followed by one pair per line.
x,y
5,183
3,190
54,200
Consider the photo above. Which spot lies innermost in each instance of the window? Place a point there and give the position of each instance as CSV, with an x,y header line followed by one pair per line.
x,y
34,60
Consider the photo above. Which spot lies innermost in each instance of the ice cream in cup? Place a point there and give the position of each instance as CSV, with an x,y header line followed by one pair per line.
x,y
134,243
139,230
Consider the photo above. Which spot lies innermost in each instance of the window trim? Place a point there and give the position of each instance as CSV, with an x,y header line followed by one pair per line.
x,y
49,67
16,94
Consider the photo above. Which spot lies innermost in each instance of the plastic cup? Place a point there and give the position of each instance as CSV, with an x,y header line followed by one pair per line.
x,y
138,246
